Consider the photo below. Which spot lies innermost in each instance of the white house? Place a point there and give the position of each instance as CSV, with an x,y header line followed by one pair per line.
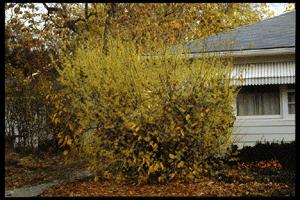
x,y
264,53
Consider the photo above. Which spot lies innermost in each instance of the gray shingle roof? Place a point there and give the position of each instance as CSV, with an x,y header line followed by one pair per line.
x,y
276,32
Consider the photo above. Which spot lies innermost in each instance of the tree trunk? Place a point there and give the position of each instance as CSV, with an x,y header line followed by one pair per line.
x,y
107,26
86,12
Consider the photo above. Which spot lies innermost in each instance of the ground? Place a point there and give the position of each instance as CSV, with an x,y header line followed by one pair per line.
x,y
238,180
31,169
207,187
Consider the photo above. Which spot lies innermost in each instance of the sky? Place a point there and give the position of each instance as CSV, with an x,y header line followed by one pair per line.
x,y
278,8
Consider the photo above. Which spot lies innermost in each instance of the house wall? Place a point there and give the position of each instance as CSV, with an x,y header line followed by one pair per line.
x,y
247,132
250,129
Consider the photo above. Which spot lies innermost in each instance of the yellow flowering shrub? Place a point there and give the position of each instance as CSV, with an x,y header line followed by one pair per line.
x,y
146,118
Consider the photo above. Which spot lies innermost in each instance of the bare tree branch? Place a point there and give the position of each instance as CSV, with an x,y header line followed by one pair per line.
x,y
51,9
70,23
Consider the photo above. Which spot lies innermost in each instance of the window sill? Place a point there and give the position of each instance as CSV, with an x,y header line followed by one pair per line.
x,y
259,117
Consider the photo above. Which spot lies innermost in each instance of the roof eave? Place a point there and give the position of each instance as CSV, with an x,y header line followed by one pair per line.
x,y
248,53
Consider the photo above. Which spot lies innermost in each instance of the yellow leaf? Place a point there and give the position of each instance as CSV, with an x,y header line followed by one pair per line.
x,y
154,147
160,179
59,135
71,127
96,178
194,124
162,166
69,141
56,120
156,167
182,132
172,175
177,128
147,139
60,140
137,129
53,117
187,117
139,138
172,156
176,25
65,140
65,152
135,134
133,125
180,164
151,169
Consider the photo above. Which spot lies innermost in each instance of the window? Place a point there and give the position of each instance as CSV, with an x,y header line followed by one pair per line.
x,y
258,100
291,100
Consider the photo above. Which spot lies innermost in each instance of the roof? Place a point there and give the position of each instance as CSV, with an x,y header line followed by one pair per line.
x,y
276,32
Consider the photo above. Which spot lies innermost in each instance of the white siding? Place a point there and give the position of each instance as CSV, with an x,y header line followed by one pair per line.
x,y
249,131
265,73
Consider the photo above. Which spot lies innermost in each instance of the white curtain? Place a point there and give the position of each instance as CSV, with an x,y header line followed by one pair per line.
x,y
258,100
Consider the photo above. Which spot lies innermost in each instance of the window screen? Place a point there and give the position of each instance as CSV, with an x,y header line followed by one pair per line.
x,y
291,102
291,99
258,100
